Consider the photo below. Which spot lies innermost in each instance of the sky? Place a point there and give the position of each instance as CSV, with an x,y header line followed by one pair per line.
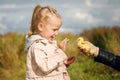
x,y
77,15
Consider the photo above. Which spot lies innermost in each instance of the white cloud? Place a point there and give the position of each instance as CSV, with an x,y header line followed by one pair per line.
x,y
88,3
87,18
17,19
116,18
3,27
116,15
63,29
21,18
7,6
17,14
81,16
15,6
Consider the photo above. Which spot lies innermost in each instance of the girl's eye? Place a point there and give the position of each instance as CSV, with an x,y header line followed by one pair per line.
x,y
55,29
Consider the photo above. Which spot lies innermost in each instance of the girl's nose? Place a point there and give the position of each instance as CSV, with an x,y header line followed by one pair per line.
x,y
56,32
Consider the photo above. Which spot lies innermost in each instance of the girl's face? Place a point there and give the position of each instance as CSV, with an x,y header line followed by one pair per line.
x,y
50,29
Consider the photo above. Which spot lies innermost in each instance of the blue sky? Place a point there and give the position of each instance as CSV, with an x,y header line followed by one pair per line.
x,y
77,15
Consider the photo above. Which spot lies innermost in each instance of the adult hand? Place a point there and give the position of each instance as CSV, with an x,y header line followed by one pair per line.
x,y
93,50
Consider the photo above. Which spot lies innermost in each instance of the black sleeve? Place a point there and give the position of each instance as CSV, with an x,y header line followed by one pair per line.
x,y
109,59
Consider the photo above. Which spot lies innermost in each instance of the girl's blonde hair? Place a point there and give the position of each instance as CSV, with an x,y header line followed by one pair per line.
x,y
41,14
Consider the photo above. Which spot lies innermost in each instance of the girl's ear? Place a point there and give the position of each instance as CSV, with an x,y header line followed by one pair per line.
x,y
40,26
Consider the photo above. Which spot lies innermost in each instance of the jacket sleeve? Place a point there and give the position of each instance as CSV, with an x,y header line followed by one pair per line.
x,y
109,59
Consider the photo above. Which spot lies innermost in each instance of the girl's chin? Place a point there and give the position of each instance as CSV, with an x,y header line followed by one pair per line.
x,y
52,39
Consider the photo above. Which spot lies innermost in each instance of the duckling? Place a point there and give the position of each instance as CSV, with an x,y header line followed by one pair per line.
x,y
84,46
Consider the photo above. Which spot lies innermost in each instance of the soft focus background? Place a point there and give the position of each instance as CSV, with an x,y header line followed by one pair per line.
x,y
96,20
77,15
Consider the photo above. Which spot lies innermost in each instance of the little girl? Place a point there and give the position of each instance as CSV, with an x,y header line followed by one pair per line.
x,y
45,60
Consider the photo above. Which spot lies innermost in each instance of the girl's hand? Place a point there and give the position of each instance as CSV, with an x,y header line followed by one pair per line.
x,y
62,44
69,61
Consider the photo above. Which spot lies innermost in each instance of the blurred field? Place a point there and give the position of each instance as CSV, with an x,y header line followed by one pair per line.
x,y
13,58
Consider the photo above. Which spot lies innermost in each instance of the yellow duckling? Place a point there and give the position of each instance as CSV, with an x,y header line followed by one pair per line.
x,y
84,46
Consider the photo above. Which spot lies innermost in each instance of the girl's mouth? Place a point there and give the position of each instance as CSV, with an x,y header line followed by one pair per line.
x,y
53,37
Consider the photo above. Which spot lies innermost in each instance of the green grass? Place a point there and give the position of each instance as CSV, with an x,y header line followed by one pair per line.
x,y
13,58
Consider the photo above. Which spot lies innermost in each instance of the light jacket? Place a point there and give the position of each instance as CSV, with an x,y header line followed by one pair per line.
x,y
44,60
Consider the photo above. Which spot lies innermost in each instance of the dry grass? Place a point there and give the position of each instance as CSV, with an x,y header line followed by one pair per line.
x,y
13,58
